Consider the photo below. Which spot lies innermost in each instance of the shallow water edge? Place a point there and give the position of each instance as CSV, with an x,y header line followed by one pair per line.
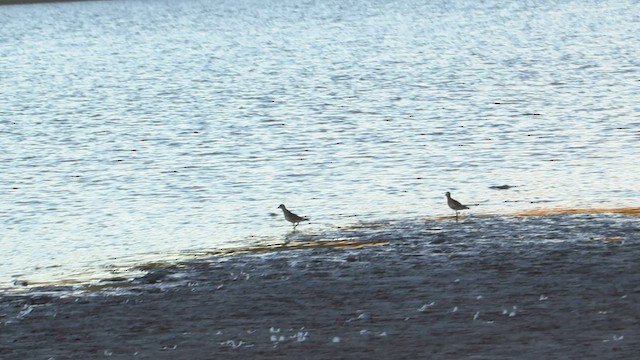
x,y
541,226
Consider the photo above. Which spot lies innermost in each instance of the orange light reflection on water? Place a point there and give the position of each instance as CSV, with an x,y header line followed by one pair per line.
x,y
543,212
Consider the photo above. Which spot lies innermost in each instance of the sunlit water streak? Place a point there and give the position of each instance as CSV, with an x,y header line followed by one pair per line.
x,y
138,130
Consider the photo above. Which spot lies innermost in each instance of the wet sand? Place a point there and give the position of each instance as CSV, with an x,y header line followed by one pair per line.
x,y
440,295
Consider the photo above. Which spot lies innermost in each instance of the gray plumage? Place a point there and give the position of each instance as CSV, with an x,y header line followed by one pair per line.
x,y
291,217
454,204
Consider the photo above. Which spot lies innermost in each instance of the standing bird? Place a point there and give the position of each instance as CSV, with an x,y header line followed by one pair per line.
x,y
291,217
454,204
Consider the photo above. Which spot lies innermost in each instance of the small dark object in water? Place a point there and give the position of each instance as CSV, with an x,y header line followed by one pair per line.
x,y
154,277
501,187
40,300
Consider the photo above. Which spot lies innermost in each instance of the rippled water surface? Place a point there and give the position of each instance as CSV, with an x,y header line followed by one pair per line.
x,y
136,130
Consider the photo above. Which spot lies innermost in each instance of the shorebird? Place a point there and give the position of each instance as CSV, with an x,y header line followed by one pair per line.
x,y
454,204
291,217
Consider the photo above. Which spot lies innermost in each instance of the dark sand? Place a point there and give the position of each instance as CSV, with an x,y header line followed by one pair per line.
x,y
422,297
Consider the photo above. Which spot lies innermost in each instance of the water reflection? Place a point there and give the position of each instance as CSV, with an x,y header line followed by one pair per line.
x,y
139,130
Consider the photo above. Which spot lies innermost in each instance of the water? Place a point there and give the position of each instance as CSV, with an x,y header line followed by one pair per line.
x,y
141,130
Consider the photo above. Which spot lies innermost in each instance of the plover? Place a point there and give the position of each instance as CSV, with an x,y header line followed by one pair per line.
x,y
454,204
291,217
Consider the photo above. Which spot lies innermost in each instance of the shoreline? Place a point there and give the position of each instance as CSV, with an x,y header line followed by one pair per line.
x,y
131,268
442,295
300,241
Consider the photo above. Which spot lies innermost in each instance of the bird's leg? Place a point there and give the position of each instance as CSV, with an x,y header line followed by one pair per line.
x,y
456,215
